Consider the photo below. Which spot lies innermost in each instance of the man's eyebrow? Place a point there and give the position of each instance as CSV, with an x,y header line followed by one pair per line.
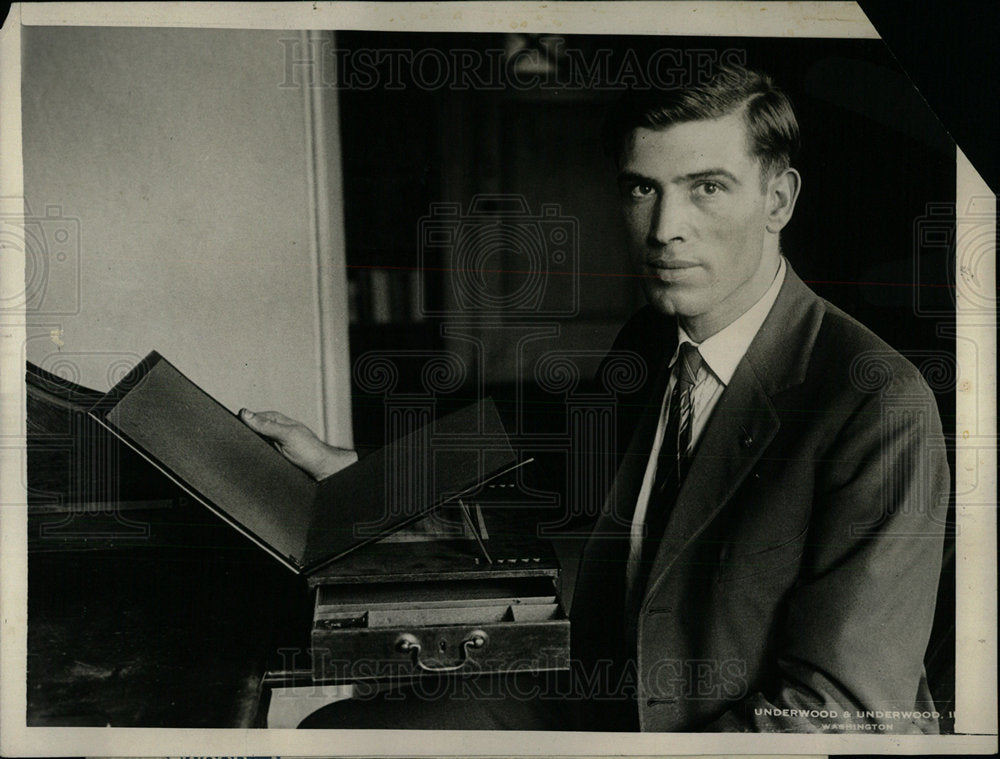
x,y
718,173
712,174
632,176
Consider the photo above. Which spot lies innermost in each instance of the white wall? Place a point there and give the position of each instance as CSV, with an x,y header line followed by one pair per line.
x,y
188,170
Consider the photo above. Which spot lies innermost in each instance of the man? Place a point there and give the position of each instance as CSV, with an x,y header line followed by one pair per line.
x,y
769,553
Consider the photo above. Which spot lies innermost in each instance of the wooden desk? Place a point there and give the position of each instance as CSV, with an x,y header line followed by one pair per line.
x,y
156,637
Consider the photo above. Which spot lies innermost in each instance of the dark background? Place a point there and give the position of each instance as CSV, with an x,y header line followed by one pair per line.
x,y
950,51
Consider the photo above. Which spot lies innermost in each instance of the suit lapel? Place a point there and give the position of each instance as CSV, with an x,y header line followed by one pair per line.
x,y
744,421
742,425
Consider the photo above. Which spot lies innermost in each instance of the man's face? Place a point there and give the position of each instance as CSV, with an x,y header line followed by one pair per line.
x,y
696,217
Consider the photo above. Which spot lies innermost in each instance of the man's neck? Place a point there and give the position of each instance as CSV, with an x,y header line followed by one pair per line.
x,y
703,326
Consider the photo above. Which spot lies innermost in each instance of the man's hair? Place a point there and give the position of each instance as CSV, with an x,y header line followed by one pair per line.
x,y
771,127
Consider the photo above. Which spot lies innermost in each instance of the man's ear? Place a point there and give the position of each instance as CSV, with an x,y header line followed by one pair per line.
x,y
782,191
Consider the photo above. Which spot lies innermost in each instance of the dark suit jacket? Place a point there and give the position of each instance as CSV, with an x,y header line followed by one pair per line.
x,y
795,583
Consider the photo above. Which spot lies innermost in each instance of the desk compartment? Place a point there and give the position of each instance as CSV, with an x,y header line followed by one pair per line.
x,y
404,629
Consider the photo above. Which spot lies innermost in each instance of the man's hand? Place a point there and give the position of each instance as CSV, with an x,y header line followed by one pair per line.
x,y
298,443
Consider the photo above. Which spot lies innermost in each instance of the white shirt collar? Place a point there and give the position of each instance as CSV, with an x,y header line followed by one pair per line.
x,y
724,350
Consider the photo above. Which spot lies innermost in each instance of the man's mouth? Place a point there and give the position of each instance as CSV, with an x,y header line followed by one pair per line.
x,y
670,270
672,263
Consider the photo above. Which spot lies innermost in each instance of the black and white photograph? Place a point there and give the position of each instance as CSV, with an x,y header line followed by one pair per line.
x,y
445,378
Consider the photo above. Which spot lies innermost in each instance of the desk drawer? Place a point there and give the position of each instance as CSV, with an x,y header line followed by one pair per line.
x,y
400,630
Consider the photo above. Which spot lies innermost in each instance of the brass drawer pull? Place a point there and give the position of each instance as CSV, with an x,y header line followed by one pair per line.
x,y
409,643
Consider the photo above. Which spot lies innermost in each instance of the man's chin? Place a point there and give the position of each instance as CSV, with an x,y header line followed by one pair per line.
x,y
665,300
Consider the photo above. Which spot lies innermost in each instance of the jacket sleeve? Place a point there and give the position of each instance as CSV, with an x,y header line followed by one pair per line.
x,y
857,624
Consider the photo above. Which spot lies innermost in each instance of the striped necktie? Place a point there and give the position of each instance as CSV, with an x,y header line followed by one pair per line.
x,y
673,460
671,464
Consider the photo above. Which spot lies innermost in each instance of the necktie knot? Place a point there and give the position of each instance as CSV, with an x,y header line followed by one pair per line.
x,y
689,361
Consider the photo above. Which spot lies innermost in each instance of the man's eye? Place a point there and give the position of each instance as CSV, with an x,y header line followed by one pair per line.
x,y
641,190
709,188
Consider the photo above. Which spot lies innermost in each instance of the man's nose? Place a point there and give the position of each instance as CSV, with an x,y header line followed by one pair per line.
x,y
669,221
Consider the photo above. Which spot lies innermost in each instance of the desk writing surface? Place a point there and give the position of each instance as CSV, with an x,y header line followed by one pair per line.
x,y
513,544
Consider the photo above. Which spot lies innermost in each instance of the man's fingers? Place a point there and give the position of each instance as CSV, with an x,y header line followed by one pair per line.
x,y
271,423
298,443
270,416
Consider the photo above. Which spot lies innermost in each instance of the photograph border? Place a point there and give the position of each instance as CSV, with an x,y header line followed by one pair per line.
x,y
976,661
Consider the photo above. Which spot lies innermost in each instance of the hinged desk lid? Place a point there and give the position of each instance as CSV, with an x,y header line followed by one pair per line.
x,y
239,475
